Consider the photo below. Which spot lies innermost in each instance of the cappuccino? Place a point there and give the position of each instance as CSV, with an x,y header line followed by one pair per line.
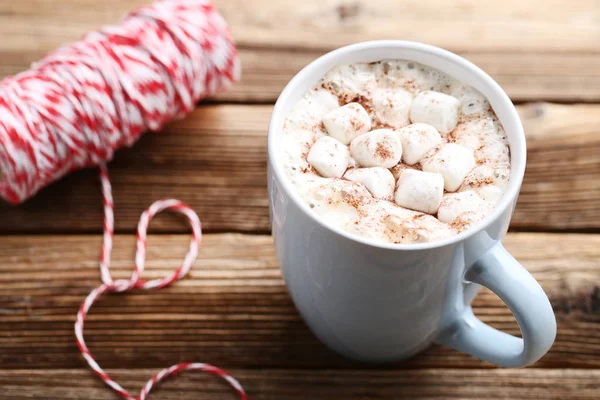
x,y
395,151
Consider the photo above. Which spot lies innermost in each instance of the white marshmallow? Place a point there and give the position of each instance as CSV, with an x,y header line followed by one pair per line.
x,y
453,161
392,106
329,157
378,148
489,183
347,122
437,109
420,191
483,175
490,194
455,204
417,140
379,181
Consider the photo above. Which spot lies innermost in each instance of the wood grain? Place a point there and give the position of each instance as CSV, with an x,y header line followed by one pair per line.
x,y
294,384
215,160
233,310
536,50
525,76
528,25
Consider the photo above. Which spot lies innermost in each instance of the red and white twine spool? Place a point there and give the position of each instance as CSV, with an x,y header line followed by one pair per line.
x,y
82,102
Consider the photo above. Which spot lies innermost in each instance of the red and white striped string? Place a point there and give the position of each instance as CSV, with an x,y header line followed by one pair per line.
x,y
83,101
135,282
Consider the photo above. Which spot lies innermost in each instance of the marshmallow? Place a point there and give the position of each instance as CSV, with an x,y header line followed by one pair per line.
x,y
329,157
420,191
483,175
417,140
378,148
347,122
490,194
392,106
489,183
455,204
437,109
379,181
453,161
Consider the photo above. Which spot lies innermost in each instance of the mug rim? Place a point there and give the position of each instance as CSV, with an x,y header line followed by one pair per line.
x,y
517,149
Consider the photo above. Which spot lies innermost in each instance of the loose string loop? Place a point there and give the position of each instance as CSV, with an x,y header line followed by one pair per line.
x,y
135,282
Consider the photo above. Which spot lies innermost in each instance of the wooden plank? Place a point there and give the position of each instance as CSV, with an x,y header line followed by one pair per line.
x,y
525,76
562,178
528,25
366,384
215,160
234,310
531,48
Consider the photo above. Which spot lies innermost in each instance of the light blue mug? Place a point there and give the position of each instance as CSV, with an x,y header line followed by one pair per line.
x,y
381,302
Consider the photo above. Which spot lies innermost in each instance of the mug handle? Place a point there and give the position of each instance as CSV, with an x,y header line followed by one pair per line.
x,y
502,274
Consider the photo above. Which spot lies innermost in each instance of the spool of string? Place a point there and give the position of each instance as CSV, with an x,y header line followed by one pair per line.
x,y
82,102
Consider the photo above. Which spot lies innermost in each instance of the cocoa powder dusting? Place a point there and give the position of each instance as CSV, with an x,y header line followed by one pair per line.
x,y
383,152
357,124
365,102
319,128
344,98
349,97
475,183
350,199
386,68
410,86
377,124
463,221
451,136
353,197
397,169
307,168
459,225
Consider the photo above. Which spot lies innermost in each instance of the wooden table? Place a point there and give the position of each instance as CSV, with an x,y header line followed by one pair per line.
x,y
233,310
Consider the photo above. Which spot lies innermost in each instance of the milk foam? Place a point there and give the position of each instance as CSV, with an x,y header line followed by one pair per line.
x,y
385,90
